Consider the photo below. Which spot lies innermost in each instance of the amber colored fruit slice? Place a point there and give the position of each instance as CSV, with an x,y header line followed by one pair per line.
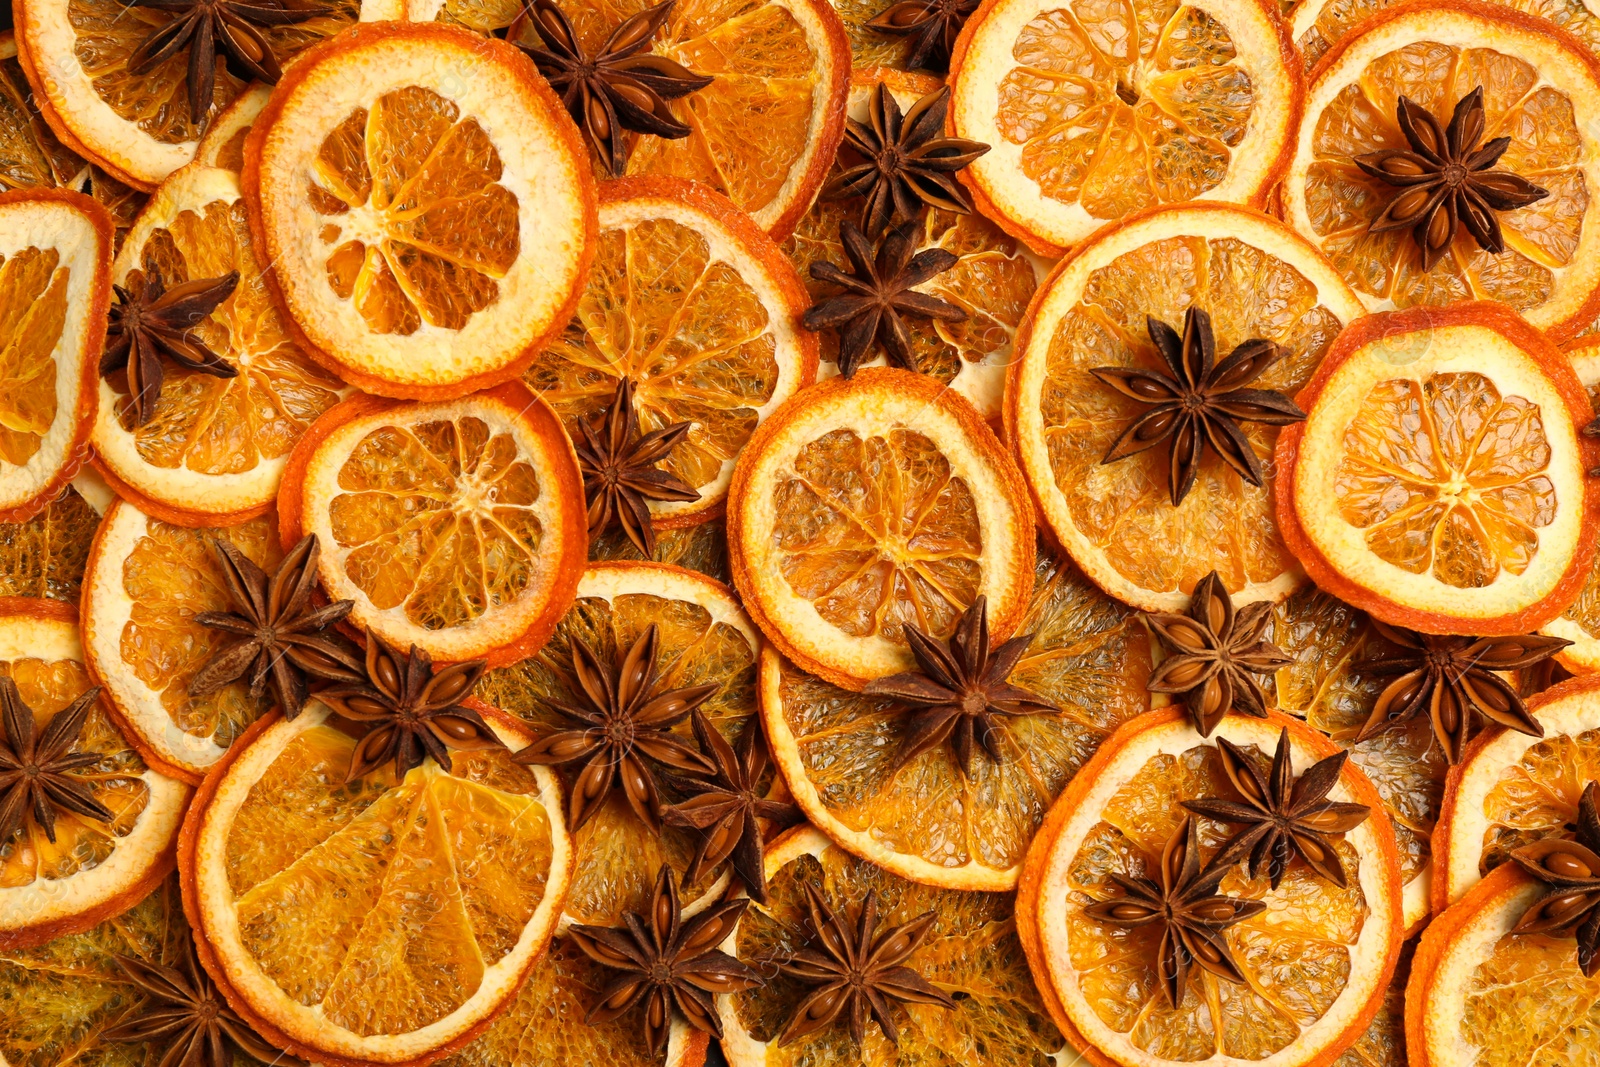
x,y
479,16
1382,1044
702,547
1319,25
222,145
46,556
1580,622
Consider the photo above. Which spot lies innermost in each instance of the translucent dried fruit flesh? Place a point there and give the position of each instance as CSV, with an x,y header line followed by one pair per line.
x,y
30,154
171,575
1383,1042
1528,1005
417,227
702,547
33,314
480,16
439,521
1537,796
1445,476
1120,106
1337,17
1124,509
46,556
383,902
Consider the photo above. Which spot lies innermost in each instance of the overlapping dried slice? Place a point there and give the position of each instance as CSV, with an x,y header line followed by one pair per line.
x,y
870,504
1097,110
702,547
1256,279
455,525
1316,958
1580,622
376,920
46,556
222,145
423,199
1439,480
1320,24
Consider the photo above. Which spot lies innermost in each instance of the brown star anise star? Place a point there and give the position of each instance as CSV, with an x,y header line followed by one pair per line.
x,y
1285,816
1183,899
1453,681
149,321
876,295
907,161
1571,868
1216,654
619,469
1445,179
858,970
617,727
278,633
39,772
1200,404
414,713
959,690
932,25
620,87
667,961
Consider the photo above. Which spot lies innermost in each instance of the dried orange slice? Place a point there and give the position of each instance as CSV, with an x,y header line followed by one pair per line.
x,y
222,145
479,16
1116,520
55,288
1319,24
869,504
214,449
1580,622
1542,89
378,921
702,547
46,556
1095,111
422,197
695,305
928,821
1317,958
458,526
92,870
1438,481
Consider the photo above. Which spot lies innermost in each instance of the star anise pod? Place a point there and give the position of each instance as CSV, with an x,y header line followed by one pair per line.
x,y
278,633
907,161
39,772
932,25
1183,899
1200,404
667,962
1571,870
1453,681
619,469
620,87
149,321
1445,179
181,1020
959,690
202,26
415,713
1216,653
1285,816
619,725
876,295
858,971
727,806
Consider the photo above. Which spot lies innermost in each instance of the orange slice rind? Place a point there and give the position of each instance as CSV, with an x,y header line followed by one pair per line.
x,y
1580,622
222,145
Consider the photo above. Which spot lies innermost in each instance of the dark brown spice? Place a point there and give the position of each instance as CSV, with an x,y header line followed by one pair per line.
x,y
1571,869
149,321
619,470
932,25
39,772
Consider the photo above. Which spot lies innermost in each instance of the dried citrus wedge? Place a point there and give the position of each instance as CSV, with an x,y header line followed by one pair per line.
x,y
214,448
422,197
1580,622
379,921
146,581
1097,110
46,556
927,821
695,305
222,145
870,504
1438,481
1117,520
55,288
1542,90
457,525
970,954
93,869
1318,25
1317,959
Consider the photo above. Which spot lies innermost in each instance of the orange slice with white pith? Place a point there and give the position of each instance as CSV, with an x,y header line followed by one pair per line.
x,y
1580,621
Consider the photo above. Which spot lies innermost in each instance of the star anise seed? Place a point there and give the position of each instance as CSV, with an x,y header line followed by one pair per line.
x,y
1453,681
1200,404
619,469
1285,816
278,634
149,321
619,724
1183,899
621,87
857,971
959,690
1216,654
39,772
907,161
880,290
1571,870
932,25
1444,180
